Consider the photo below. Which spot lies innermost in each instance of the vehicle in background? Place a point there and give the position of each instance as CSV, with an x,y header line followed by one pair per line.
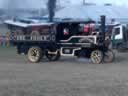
x,y
120,37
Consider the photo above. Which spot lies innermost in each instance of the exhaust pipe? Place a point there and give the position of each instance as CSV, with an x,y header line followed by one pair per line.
x,y
51,9
103,25
102,30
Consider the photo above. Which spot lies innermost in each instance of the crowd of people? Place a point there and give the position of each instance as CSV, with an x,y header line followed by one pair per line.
x,y
4,40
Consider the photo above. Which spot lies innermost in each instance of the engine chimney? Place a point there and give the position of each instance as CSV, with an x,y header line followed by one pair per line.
x,y
51,9
103,20
84,2
102,30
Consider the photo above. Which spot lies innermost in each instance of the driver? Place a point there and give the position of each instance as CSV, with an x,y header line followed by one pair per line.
x,y
86,29
66,31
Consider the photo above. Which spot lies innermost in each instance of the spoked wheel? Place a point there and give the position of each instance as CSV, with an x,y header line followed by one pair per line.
x,y
109,56
96,56
35,54
53,56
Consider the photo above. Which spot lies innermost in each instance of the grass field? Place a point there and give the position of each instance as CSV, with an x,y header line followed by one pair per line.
x,y
66,77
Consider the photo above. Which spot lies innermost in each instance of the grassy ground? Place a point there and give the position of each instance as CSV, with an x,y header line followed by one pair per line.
x,y
66,77
7,51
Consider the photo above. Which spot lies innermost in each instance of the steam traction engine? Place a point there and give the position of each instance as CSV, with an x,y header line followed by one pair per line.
x,y
47,39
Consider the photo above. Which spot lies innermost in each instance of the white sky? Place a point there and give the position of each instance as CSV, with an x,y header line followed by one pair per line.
x,y
118,2
39,3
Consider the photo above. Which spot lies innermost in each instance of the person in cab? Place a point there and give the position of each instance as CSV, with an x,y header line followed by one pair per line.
x,y
86,29
66,31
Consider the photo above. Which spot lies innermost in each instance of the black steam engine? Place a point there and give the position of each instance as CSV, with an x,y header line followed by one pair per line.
x,y
60,38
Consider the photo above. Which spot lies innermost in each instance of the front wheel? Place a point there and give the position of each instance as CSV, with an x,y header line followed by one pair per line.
x,y
35,54
109,56
96,56
53,56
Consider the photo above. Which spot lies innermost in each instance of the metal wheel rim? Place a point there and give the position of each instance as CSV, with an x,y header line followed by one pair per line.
x,y
34,55
96,57
109,56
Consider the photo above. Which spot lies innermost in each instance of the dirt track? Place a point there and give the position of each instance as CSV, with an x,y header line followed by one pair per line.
x,y
66,77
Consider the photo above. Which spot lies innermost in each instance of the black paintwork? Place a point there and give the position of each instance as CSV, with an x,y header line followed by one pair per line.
x,y
24,45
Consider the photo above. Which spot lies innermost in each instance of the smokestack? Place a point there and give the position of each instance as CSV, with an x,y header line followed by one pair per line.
x,y
84,2
51,9
103,27
103,23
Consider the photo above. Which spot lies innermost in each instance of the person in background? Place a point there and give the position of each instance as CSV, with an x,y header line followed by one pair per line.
x,y
8,38
86,29
0,40
66,31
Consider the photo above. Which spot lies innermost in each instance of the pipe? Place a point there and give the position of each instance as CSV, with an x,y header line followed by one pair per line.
x,y
51,9
103,27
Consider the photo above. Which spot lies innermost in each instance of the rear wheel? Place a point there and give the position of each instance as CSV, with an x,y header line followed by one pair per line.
x,y
35,54
109,56
96,56
53,56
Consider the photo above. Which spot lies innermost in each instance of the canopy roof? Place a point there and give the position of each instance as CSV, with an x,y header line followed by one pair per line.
x,y
93,12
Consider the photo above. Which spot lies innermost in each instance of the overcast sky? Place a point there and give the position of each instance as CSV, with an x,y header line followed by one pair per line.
x,y
118,2
39,3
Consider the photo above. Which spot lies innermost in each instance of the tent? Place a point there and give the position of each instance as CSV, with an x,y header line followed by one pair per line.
x,y
94,12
